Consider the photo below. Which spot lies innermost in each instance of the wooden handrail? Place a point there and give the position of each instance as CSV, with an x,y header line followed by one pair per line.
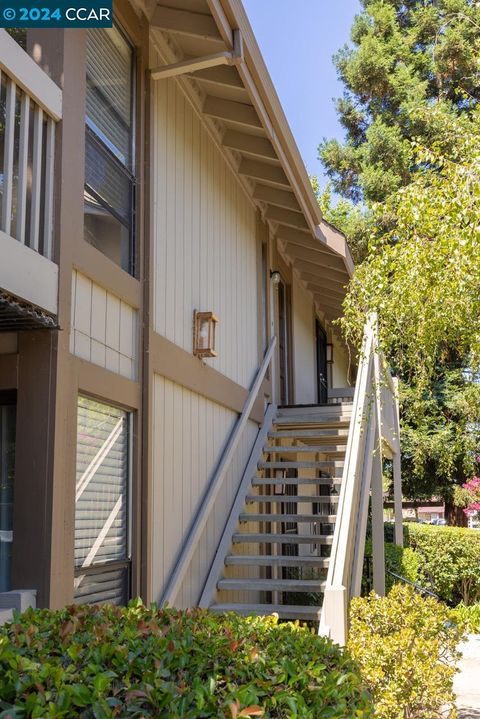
x,y
206,505
367,435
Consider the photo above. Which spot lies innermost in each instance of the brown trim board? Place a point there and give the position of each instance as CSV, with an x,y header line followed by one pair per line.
x,y
105,385
179,366
8,371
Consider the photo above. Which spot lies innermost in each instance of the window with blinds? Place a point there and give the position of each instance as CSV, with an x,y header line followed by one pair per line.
x,y
102,552
109,152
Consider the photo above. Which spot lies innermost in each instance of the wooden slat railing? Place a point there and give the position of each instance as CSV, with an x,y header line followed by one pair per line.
x,y
199,522
374,433
33,105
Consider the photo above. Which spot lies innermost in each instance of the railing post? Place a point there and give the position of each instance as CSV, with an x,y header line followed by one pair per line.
x,y
378,540
397,473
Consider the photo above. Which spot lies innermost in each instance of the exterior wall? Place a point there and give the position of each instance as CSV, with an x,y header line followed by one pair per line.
x,y
103,328
190,432
204,228
303,330
340,364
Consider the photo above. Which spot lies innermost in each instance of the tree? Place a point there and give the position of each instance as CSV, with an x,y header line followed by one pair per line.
x,y
421,277
406,56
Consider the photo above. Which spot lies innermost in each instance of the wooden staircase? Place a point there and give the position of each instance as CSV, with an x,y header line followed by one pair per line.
x,y
276,555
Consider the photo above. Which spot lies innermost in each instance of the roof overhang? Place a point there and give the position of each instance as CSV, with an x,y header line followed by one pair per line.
x,y
210,47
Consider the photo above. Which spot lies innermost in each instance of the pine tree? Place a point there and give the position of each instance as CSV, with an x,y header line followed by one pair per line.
x,y
406,56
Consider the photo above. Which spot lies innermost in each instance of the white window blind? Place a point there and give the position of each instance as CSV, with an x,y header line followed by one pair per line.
x,y
110,90
101,502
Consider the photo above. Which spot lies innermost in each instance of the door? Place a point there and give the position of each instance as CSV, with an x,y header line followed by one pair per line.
x,y
283,335
322,383
7,470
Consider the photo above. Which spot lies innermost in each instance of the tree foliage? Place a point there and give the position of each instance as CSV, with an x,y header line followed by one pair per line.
x,y
421,277
406,56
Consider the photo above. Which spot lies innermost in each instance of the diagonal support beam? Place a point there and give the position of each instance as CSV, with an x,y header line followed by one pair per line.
x,y
191,65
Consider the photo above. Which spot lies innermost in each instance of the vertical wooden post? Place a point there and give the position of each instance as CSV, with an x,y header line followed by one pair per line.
x,y
397,473
377,525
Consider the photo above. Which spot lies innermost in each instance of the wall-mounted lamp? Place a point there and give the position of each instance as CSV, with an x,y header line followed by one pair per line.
x,y
276,277
204,329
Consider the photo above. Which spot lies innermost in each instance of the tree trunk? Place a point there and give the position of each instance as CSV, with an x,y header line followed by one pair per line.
x,y
455,516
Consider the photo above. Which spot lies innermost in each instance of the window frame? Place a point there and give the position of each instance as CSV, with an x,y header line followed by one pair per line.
x,y
130,172
128,562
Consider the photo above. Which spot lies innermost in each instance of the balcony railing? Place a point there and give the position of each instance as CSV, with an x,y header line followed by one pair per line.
x,y
30,106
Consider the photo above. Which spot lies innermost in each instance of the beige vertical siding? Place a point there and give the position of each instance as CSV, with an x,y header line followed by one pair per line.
x,y
204,237
103,328
340,364
303,325
189,432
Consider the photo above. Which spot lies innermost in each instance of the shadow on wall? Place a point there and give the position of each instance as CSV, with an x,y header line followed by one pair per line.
x,y
468,713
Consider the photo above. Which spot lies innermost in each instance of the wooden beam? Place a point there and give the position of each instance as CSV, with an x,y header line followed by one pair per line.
x,y
221,75
237,112
341,278
249,144
289,234
315,257
185,23
287,217
273,196
221,22
319,288
191,65
328,303
313,278
261,171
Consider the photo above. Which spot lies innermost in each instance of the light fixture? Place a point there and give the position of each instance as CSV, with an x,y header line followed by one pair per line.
x,y
276,277
204,328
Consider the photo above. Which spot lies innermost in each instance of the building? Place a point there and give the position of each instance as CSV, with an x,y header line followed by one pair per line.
x,y
167,282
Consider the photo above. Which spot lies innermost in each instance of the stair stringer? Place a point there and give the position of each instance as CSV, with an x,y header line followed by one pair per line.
x,y
233,521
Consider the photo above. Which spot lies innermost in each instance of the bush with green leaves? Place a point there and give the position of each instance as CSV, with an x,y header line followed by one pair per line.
x,y
468,617
405,646
106,662
449,561
402,561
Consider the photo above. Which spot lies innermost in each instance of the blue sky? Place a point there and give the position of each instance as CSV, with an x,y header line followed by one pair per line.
x,y
303,74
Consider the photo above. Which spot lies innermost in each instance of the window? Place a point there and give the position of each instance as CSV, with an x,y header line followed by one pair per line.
x,y
7,471
102,534
109,146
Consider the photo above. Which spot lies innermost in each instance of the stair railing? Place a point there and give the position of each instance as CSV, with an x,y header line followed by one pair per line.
x,y
207,503
373,434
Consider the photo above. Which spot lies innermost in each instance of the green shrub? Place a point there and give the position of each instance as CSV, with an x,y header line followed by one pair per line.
x,y
402,561
449,561
468,617
107,662
405,646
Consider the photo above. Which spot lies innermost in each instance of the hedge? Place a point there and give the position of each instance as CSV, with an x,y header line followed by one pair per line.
x,y
468,617
405,646
107,662
449,560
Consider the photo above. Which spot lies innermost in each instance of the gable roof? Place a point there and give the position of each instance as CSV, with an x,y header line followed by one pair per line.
x,y
238,100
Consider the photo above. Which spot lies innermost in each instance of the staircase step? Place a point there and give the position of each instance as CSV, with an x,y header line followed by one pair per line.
x,y
321,481
298,499
266,560
319,518
284,611
246,538
338,422
320,464
302,449
272,585
326,434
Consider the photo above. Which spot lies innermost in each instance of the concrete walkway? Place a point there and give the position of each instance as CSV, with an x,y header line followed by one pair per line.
x,y
467,682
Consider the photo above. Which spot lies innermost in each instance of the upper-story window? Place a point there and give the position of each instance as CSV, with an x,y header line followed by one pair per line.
x,y
109,146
